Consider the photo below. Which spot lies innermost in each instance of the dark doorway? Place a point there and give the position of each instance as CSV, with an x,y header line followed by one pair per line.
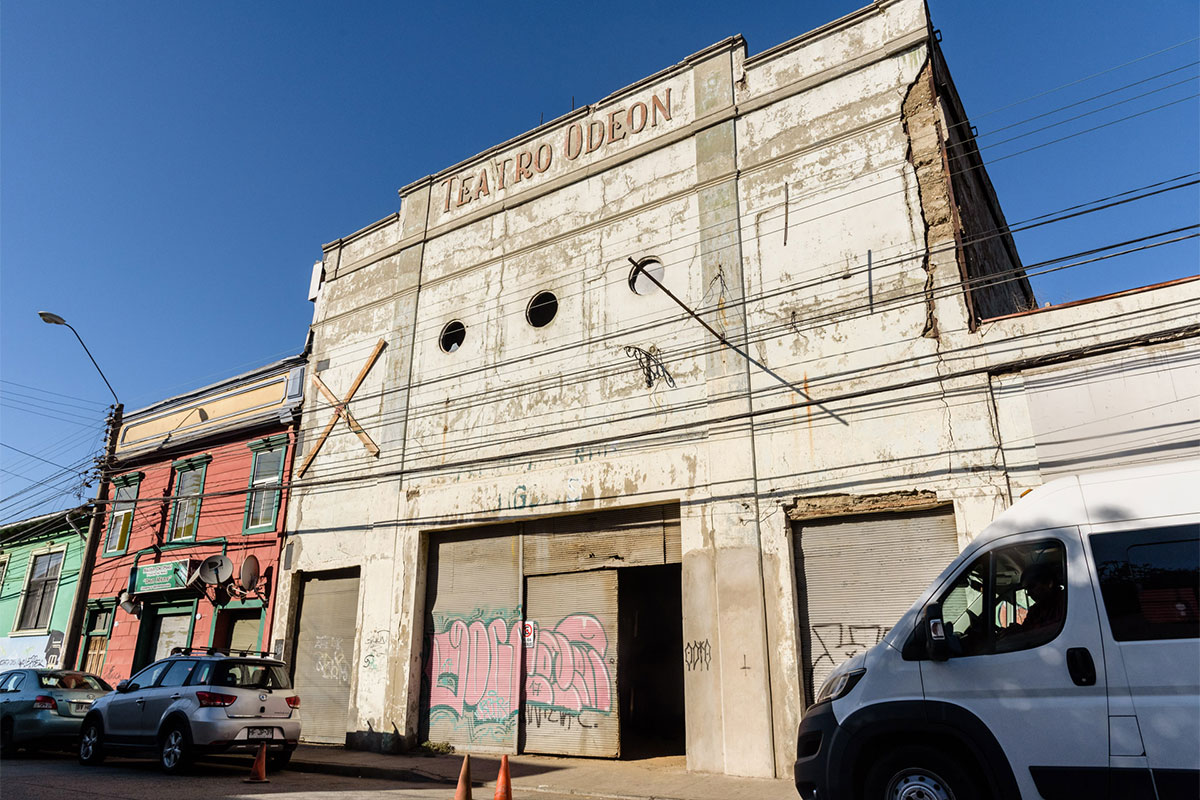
x,y
650,682
238,629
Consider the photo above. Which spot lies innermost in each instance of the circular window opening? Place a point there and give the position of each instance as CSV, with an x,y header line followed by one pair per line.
x,y
639,276
542,309
453,336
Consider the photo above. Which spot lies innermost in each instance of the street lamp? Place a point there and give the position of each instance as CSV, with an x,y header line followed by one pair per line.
x,y
75,624
55,319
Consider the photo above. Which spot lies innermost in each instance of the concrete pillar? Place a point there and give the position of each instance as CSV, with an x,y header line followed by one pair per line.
x,y
722,566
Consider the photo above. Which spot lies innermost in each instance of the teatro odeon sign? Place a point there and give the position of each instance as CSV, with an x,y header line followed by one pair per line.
x,y
599,131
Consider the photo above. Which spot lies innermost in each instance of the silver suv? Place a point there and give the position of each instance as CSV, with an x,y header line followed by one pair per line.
x,y
190,704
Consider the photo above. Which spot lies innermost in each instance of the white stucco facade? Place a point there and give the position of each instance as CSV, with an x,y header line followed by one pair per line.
x,y
798,201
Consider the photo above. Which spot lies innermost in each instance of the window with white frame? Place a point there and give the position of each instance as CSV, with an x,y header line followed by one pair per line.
x,y
41,585
189,485
266,478
120,521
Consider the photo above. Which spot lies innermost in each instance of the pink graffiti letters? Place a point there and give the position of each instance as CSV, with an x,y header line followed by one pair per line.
x,y
475,669
566,667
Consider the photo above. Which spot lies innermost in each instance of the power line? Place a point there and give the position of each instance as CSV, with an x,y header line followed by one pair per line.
x,y
625,333
31,455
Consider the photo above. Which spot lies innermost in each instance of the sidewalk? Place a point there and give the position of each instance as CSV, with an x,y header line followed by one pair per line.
x,y
658,778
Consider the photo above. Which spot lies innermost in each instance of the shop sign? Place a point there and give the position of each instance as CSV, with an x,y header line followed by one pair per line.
x,y
161,577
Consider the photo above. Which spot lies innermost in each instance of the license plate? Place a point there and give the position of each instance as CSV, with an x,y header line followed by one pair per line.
x,y
259,733
80,708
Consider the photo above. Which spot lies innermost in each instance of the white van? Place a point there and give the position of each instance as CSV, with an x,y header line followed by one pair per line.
x,y
1058,657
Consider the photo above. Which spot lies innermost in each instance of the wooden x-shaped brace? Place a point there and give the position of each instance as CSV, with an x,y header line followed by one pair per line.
x,y
341,411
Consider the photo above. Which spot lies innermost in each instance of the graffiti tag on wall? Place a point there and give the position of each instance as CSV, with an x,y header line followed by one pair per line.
x,y
474,671
834,642
331,662
697,655
567,667
376,647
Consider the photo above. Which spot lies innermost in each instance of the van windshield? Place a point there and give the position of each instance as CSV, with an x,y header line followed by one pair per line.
x,y
250,675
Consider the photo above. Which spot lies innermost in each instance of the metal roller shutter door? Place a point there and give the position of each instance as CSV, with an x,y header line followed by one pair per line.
x,y
857,575
471,694
325,655
627,537
571,705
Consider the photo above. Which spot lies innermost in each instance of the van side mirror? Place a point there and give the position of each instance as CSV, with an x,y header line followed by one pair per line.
x,y
123,687
937,643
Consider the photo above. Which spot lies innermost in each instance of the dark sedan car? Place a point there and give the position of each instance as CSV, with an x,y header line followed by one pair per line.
x,y
45,707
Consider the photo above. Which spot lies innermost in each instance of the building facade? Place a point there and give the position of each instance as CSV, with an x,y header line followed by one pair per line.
x,y
665,407
39,575
195,476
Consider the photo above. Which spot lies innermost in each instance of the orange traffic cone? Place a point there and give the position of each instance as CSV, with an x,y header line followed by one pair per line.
x,y
463,792
258,772
503,782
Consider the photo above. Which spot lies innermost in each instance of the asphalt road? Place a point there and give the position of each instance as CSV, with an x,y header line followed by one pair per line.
x,y
55,776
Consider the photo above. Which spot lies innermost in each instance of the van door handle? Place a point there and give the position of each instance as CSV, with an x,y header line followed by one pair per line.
x,y
176,696
140,701
1081,666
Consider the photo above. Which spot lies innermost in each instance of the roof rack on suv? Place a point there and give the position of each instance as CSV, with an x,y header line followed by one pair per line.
x,y
259,653
187,651
217,651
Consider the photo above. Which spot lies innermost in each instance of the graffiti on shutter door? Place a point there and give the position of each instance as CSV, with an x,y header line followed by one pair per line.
x,y
571,666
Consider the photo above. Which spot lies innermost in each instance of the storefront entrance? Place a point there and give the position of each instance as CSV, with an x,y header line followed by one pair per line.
x,y
238,629
163,626
324,649
559,636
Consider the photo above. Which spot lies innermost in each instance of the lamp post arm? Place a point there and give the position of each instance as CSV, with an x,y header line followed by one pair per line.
x,y
94,364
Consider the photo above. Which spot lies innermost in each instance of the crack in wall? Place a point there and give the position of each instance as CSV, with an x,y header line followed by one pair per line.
x,y
918,112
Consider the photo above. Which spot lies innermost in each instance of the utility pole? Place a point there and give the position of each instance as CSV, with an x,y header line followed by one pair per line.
x,y
99,505
74,631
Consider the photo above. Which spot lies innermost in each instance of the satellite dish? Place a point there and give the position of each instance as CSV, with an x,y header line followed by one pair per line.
x,y
216,569
248,576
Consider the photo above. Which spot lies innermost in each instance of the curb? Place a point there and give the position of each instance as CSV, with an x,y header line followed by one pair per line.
x,y
371,771
406,774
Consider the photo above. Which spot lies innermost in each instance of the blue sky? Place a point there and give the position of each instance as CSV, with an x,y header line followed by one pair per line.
x,y
168,171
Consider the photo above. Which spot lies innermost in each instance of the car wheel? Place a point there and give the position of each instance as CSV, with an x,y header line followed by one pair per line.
x,y
174,750
919,773
277,761
8,744
91,743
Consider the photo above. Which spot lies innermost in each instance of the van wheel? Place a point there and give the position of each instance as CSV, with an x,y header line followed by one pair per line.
x,y
919,773
174,750
91,744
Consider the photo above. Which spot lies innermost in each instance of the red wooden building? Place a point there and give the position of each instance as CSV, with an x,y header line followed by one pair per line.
x,y
196,476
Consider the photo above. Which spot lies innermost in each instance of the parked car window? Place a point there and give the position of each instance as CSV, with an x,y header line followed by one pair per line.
x,y
72,680
146,678
1013,598
178,674
200,675
6,681
14,682
251,675
1150,582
